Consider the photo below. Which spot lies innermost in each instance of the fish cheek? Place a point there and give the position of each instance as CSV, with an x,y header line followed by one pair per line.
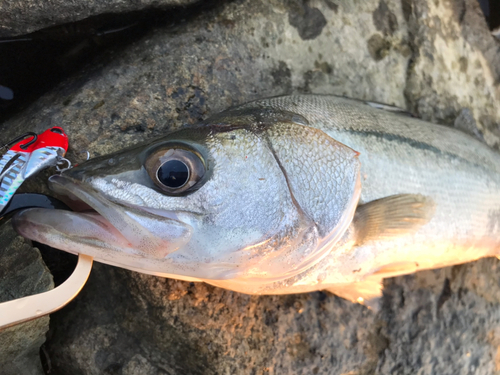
x,y
247,195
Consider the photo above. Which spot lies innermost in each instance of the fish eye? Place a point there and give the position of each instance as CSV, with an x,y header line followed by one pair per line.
x,y
175,170
173,174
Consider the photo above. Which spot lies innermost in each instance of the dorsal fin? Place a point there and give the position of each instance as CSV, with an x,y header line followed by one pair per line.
x,y
389,108
466,123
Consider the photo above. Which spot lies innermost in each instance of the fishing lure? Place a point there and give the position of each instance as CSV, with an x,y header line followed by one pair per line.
x,y
24,159
29,156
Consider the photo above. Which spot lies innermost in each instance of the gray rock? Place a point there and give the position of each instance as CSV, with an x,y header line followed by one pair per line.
x,y
443,321
139,324
22,273
26,16
451,44
434,58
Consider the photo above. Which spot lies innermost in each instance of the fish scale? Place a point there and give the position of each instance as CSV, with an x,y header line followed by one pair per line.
x,y
404,155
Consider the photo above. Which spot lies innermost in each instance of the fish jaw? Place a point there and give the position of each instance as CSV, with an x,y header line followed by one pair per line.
x,y
113,226
53,227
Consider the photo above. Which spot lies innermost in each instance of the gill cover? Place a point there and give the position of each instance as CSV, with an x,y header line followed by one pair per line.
x,y
323,177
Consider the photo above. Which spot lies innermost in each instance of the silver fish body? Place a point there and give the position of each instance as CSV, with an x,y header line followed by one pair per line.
x,y
285,195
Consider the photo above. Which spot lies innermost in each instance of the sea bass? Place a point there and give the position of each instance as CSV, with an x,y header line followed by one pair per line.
x,y
284,195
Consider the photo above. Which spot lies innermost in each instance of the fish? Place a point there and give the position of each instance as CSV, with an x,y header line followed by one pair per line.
x,y
284,195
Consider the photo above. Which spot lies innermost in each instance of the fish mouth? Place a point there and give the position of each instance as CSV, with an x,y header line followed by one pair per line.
x,y
111,225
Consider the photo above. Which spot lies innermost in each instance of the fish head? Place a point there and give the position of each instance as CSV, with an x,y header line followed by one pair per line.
x,y
236,198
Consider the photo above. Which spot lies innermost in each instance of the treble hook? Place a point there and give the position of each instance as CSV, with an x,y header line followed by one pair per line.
x,y
85,152
60,161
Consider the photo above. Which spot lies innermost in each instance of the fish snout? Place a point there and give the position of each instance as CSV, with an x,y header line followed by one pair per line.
x,y
110,224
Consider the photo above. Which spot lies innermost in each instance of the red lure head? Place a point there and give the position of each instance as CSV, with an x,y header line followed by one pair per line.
x,y
53,137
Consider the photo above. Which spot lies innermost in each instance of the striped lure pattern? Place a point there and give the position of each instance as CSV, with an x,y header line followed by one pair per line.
x,y
27,157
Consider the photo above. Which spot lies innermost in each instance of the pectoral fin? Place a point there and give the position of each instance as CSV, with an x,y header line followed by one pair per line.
x,y
392,216
366,292
396,269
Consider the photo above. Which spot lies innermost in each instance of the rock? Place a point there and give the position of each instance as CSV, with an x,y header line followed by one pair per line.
x,y
22,273
455,64
423,55
27,16
443,321
161,326
220,59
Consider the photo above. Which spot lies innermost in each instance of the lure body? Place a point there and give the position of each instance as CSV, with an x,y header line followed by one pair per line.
x,y
29,156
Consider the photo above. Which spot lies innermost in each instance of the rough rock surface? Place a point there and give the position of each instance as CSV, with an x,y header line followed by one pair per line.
x,y
19,17
455,64
22,273
435,58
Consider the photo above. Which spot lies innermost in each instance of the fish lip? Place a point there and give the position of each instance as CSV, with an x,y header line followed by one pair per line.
x,y
65,186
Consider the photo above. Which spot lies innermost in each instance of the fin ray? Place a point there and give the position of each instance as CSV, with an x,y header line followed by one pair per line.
x,y
367,292
392,216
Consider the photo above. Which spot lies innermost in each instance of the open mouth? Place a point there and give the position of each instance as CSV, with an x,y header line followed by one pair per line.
x,y
110,225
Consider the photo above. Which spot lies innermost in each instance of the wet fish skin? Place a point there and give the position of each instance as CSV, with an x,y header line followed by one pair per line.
x,y
402,155
275,211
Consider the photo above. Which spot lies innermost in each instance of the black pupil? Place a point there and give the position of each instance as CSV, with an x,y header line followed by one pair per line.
x,y
173,174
